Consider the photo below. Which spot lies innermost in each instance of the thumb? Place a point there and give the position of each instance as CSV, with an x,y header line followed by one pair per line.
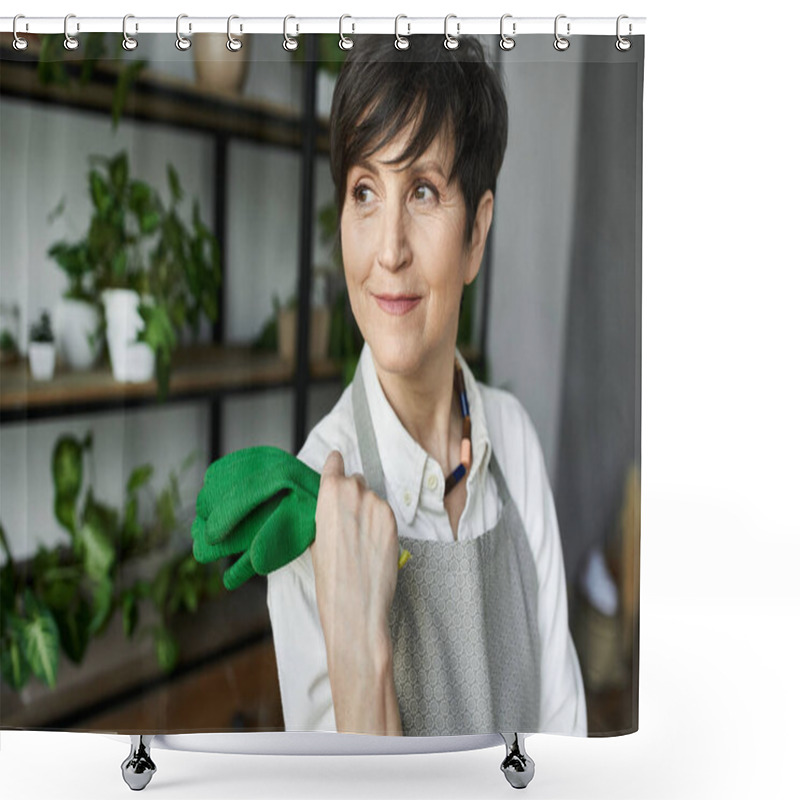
x,y
334,465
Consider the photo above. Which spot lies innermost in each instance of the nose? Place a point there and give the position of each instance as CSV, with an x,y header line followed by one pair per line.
x,y
393,249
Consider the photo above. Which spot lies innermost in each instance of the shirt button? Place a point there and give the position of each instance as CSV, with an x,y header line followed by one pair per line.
x,y
433,482
407,498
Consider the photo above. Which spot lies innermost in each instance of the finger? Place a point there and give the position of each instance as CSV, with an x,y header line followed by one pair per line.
x,y
360,478
285,534
334,464
239,573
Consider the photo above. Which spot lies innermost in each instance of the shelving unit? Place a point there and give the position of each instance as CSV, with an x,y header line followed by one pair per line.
x,y
207,374
203,374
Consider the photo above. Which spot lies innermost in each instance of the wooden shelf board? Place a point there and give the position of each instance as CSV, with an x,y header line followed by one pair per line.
x,y
196,371
157,97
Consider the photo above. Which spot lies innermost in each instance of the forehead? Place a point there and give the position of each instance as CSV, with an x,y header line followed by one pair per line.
x,y
403,150
393,155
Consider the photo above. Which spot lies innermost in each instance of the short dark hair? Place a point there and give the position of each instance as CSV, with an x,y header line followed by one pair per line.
x,y
381,89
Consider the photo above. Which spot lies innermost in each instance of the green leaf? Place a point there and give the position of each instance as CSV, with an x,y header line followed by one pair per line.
x,y
118,172
167,651
99,192
160,587
8,589
96,549
67,466
131,529
73,629
58,592
57,211
65,513
139,477
14,667
174,184
165,509
4,545
130,612
40,643
119,264
102,606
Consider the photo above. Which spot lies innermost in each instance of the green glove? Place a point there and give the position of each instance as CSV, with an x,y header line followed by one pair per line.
x,y
259,502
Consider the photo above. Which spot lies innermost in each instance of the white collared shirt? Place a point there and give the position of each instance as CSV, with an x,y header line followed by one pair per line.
x,y
415,491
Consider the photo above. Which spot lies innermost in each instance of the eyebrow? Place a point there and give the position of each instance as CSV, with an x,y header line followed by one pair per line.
x,y
415,167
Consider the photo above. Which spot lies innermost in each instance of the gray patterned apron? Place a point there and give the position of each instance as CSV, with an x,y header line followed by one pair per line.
x,y
464,619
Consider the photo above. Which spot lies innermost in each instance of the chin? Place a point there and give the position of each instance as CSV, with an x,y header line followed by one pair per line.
x,y
392,355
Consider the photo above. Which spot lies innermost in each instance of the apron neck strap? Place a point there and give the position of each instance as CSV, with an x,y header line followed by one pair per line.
x,y
365,432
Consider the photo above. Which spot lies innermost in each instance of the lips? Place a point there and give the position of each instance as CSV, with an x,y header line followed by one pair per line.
x,y
397,304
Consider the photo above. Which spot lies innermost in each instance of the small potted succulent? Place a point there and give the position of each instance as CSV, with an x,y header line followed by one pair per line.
x,y
42,349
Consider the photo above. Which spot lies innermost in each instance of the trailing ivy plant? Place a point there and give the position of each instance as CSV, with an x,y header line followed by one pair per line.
x,y
137,241
67,594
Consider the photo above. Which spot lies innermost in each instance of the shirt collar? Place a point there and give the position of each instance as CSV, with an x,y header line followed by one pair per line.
x,y
403,459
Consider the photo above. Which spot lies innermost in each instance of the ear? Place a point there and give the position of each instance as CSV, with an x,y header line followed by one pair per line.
x,y
480,232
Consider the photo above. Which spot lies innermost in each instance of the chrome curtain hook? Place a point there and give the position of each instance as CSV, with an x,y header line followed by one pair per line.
x,y
233,44
451,42
401,42
506,42
622,44
561,43
19,42
288,42
181,42
128,42
345,42
70,42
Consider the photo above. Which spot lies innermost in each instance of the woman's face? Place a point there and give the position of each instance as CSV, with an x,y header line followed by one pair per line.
x,y
404,258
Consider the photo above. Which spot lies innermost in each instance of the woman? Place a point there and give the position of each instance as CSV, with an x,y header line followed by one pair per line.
x,y
470,635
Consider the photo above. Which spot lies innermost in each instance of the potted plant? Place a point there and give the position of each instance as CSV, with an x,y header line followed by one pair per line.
x,y
78,328
114,568
153,274
42,349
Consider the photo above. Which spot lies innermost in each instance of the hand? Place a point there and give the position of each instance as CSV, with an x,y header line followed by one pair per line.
x,y
355,569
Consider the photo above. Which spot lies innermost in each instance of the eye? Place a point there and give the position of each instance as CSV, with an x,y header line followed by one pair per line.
x,y
360,193
420,191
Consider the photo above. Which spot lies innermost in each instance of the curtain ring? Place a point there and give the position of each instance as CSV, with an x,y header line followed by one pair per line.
x,y
506,42
622,44
345,42
451,42
288,42
19,42
128,42
401,42
560,42
70,42
233,44
181,42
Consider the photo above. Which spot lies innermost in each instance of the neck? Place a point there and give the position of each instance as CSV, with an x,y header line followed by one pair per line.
x,y
428,407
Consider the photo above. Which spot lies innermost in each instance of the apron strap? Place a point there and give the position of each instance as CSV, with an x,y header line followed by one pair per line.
x,y
365,432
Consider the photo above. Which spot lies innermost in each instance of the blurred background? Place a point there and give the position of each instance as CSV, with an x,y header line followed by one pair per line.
x,y
196,184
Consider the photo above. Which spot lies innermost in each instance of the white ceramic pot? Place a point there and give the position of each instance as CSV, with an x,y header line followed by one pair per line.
x,y
42,358
76,329
216,67
131,361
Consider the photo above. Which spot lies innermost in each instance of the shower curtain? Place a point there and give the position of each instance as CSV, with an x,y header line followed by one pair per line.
x,y
182,278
